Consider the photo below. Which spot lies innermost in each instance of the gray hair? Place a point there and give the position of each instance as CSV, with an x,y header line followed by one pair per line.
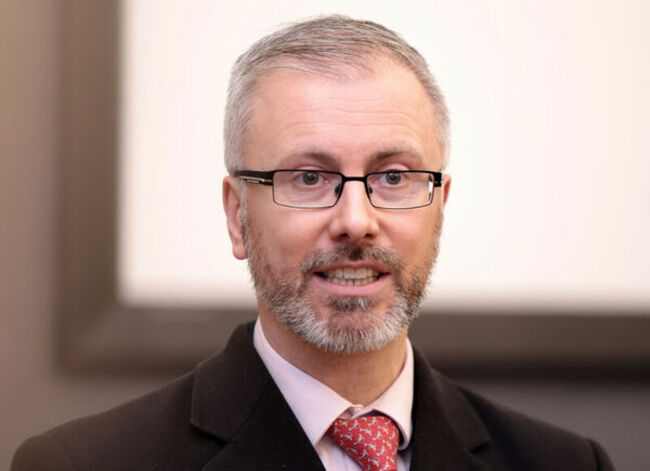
x,y
322,45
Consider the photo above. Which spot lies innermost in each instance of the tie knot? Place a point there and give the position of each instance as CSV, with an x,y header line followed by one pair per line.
x,y
370,441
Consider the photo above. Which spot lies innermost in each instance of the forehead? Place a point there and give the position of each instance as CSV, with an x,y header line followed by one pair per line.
x,y
376,112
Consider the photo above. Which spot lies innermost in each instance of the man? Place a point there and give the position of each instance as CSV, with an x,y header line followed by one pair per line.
x,y
336,142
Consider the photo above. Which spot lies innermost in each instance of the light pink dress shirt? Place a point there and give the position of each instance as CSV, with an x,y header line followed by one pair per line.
x,y
316,405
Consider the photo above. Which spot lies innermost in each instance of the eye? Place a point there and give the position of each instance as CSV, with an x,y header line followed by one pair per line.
x,y
309,178
393,178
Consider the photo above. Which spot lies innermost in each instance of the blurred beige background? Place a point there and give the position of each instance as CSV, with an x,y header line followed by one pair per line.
x,y
35,395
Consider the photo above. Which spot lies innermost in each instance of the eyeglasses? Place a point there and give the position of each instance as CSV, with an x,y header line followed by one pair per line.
x,y
314,189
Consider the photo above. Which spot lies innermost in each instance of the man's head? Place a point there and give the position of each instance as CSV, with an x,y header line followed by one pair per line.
x,y
336,95
332,46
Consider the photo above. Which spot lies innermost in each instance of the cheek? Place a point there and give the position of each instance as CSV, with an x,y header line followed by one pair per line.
x,y
288,235
414,234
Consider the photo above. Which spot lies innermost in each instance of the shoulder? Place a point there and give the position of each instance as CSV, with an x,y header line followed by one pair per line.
x,y
180,426
116,437
532,443
497,436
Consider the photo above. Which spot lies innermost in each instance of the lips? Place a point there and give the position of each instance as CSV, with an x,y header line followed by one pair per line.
x,y
351,276
352,271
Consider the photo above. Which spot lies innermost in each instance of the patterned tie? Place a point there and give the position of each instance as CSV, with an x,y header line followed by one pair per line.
x,y
370,441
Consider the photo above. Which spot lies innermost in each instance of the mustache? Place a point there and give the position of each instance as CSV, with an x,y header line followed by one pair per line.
x,y
318,258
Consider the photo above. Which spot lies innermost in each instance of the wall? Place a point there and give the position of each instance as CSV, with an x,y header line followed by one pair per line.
x,y
33,396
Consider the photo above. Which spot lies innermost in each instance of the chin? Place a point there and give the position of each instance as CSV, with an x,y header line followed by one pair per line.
x,y
353,325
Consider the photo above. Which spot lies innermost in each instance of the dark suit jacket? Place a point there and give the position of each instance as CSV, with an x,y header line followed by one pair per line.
x,y
229,415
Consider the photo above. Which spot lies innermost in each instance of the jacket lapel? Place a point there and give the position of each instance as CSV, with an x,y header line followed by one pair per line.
x,y
447,432
236,400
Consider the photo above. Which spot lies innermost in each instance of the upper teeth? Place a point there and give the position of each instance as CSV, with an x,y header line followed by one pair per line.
x,y
352,276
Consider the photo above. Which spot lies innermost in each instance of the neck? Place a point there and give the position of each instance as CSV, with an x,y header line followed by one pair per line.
x,y
360,377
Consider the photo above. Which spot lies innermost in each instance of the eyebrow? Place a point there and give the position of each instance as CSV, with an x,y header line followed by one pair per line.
x,y
329,160
386,154
323,157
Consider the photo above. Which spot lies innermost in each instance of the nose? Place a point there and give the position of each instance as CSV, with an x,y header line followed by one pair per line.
x,y
354,219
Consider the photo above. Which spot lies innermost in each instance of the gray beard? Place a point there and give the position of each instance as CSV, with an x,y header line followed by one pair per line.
x,y
329,335
354,324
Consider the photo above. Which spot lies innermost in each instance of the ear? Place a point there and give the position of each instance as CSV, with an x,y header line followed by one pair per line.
x,y
446,186
232,207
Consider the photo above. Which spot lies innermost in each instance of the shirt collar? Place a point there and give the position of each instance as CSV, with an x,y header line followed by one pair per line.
x,y
316,406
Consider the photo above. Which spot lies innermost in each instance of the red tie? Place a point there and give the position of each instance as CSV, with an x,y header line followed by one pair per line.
x,y
370,441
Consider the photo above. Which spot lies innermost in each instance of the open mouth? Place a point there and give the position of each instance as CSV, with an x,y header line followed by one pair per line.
x,y
350,276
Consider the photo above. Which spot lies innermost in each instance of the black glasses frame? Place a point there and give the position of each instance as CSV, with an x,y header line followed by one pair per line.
x,y
266,178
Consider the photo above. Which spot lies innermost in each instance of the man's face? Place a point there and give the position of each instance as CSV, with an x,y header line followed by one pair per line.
x,y
347,278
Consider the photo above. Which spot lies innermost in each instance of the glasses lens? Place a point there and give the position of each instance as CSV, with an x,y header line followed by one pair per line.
x,y
306,188
400,189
